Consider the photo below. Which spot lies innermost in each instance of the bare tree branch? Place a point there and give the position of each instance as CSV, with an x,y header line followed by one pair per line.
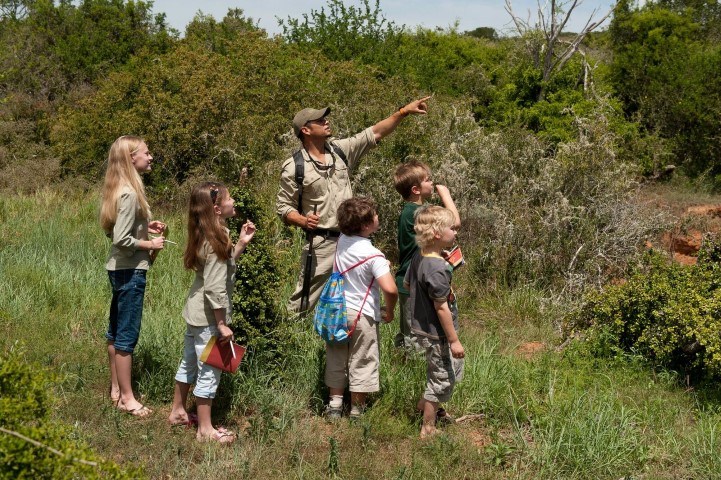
x,y
42,445
551,21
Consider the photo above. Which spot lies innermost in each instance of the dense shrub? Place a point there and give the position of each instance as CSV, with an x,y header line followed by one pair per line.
x,y
56,45
666,312
346,33
559,219
663,70
257,319
50,54
25,408
204,112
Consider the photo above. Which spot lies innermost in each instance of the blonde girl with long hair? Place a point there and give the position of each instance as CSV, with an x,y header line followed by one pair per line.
x,y
210,253
125,218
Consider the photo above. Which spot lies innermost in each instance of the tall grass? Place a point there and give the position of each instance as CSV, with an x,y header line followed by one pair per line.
x,y
553,415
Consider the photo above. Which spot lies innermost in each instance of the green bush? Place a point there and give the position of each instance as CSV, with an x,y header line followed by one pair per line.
x,y
257,319
664,61
26,404
50,54
346,33
668,313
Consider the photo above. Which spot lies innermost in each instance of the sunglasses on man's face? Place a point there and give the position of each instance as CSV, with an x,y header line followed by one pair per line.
x,y
320,121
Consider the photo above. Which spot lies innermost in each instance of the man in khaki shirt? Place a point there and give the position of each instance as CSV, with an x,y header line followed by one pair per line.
x,y
326,183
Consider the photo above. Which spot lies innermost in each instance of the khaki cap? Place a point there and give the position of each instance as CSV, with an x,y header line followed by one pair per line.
x,y
306,115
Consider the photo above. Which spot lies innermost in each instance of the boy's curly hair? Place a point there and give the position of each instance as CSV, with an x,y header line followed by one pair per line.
x,y
354,214
408,175
430,220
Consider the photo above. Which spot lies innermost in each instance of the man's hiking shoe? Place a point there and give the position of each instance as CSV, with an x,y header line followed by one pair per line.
x,y
333,414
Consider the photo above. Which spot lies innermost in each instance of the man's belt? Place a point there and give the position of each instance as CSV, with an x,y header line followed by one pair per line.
x,y
322,232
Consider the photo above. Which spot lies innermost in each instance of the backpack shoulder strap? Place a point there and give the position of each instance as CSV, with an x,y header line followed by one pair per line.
x,y
368,290
359,263
299,175
339,151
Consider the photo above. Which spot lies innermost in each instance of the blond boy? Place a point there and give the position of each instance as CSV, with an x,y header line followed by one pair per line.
x,y
433,310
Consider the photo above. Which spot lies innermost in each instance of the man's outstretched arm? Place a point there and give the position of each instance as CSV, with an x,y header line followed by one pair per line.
x,y
387,125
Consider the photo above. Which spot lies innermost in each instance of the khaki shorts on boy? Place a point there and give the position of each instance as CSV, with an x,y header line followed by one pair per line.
x,y
442,372
355,363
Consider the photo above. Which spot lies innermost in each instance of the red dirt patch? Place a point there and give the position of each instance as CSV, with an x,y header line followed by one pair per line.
x,y
528,350
480,439
684,246
705,210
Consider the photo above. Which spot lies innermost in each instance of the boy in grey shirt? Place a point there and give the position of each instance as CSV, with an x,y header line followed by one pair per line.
x,y
434,315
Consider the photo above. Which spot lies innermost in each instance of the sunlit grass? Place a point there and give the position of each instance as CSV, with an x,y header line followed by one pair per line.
x,y
548,414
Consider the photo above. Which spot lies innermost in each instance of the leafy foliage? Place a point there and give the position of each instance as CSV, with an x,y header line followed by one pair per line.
x,y
25,408
257,321
488,33
57,45
50,54
663,69
345,32
666,312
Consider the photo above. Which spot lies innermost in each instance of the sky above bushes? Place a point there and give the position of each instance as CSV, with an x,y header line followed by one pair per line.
x,y
427,13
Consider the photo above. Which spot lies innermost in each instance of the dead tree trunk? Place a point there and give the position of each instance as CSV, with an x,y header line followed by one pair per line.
x,y
548,51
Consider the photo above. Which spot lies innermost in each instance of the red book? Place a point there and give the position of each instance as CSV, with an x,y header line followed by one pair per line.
x,y
454,257
225,356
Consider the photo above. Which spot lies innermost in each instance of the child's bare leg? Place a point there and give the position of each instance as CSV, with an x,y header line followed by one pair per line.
x,y
123,369
178,414
205,424
114,387
358,402
429,417
358,398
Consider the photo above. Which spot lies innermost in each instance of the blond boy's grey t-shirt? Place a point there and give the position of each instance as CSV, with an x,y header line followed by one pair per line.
x,y
129,229
428,280
212,288
323,188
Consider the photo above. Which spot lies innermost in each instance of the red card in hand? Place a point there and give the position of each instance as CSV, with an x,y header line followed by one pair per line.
x,y
454,256
225,356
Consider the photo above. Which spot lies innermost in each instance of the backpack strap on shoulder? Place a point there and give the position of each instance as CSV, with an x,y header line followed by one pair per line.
x,y
359,263
339,151
299,161
360,312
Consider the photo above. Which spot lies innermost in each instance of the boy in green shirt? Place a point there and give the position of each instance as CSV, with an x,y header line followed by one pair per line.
x,y
413,181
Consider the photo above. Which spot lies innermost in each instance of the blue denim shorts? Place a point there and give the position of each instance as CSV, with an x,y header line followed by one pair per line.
x,y
191,369
126,308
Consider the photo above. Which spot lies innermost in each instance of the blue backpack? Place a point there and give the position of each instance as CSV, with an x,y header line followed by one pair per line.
x,y
330,319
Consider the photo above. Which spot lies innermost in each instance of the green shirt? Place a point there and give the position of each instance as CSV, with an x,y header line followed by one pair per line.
x,y
407,245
